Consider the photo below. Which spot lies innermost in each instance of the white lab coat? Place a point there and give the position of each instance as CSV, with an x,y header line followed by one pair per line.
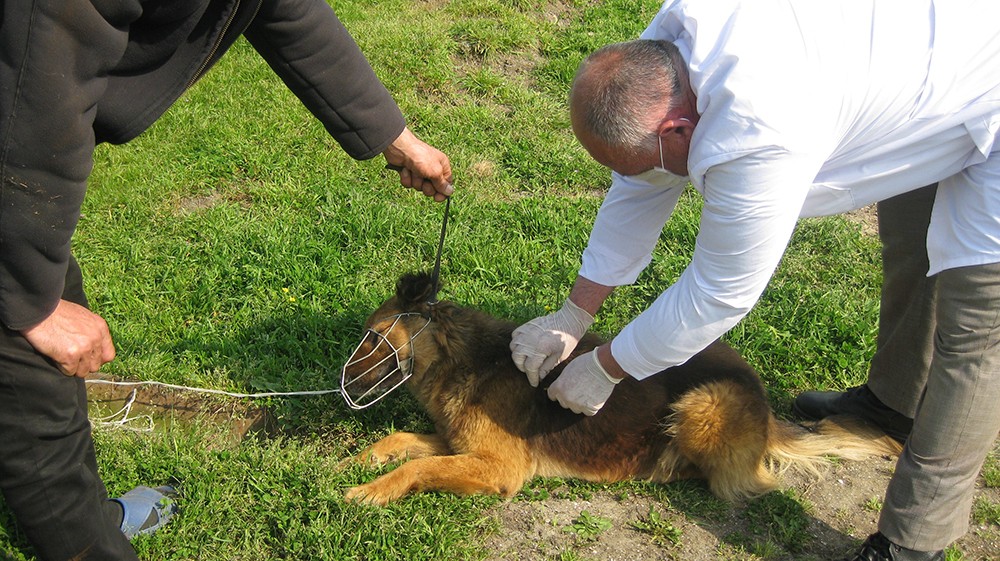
x,y
807,108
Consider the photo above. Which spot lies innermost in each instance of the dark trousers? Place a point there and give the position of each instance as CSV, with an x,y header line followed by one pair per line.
x,y
937,360
48,471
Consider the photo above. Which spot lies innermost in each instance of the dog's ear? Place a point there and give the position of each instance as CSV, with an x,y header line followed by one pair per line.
x,y
415,289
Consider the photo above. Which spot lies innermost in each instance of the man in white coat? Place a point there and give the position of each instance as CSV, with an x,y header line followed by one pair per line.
x,y
775,110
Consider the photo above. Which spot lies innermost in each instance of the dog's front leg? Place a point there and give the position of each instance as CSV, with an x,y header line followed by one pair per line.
x,y
465,474
404,446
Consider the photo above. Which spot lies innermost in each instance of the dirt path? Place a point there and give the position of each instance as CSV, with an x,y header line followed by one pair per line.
x,y
840,511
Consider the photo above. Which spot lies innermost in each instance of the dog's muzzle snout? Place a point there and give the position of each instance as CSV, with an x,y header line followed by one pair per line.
x,y
371,374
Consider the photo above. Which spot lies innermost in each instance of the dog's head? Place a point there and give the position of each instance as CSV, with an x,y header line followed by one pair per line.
x,y
398,343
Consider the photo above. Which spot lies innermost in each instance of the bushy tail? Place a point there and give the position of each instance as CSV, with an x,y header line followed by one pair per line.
x,y
809,450
718,433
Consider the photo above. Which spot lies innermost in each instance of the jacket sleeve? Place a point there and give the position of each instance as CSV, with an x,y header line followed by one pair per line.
x,y
313,53
54,58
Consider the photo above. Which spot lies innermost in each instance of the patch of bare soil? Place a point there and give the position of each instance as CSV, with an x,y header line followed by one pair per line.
x,y
151,405
841,511
867,217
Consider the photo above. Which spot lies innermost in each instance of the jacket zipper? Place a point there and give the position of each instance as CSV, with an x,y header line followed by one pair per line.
x,y
218,41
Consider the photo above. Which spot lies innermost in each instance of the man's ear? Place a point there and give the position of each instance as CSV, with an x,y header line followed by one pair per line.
x,y
675,134
676,125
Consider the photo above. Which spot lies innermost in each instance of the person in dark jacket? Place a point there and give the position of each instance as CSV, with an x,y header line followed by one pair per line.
x,y
75,73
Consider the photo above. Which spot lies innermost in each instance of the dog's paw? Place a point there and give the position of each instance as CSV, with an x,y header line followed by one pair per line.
x,y
367,458
368,494
375,457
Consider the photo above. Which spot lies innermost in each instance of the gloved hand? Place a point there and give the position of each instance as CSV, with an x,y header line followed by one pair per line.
x,y
584,386
544,342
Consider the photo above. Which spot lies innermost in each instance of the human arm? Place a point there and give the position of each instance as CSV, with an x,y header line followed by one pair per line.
x,y
749,212
314,54
750,208
53,66
625,231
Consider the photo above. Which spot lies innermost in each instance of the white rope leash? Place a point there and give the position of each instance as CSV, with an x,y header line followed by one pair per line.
x,y
206,390
125,421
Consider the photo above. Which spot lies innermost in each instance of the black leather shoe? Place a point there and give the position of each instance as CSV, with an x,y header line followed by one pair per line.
x,y
878,548
858,401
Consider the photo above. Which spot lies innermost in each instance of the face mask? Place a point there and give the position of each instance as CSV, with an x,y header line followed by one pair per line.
x,y
659,142
659,176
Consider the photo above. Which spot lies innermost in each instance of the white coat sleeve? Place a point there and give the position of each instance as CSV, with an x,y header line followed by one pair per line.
x,y
750,210
628,225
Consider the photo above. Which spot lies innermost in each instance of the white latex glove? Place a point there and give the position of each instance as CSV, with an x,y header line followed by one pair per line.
x,y
544,342
584,386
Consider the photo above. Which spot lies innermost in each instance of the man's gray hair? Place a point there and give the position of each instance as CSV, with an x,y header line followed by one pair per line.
x,y
619,86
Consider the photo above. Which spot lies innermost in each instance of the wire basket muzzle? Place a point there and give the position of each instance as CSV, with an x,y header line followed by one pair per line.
x,y
377,366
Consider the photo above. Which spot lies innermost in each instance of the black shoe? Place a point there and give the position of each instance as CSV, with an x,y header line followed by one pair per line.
x,y
878,548
858,401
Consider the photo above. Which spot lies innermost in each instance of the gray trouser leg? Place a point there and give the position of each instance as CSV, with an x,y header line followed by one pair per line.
x,y
929,497
898,370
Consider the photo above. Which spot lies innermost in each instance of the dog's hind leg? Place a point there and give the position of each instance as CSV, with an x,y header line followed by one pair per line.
x,y
464,474
721,429
404,446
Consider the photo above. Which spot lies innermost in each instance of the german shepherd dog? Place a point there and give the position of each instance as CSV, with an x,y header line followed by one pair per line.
x,y
708,418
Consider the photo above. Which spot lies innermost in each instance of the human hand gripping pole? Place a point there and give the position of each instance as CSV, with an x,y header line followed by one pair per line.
x,y
584,385
542,343
420,166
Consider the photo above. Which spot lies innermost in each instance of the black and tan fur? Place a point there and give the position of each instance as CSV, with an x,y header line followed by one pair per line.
x,y
708,418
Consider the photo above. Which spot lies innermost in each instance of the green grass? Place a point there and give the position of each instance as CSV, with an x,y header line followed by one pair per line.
x,y
587,526
779,522
234,246
660,529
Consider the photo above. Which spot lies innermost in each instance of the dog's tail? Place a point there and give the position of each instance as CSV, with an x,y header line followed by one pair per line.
x,y
742,449
810,449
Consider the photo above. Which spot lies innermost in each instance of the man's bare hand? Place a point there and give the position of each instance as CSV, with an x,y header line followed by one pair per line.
x,y
77,339
420,165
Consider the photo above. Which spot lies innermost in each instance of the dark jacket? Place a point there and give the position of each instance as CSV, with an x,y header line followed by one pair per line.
x,y
74,73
